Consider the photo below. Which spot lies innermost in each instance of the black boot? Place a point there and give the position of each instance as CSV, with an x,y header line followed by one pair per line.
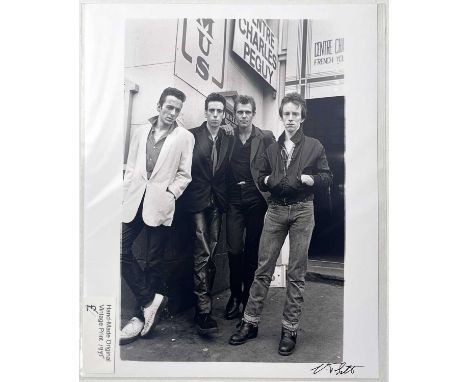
x,y
246,332
205,324
287,342
232,308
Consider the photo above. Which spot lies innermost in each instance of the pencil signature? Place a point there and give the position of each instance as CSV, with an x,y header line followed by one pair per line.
x,y
336,368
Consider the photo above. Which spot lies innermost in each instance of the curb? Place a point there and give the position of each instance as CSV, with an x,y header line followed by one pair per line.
x,y
322,278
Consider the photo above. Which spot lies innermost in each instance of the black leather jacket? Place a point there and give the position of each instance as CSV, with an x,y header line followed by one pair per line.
x,y
284,182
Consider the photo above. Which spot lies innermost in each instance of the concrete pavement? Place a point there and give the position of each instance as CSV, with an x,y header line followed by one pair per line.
x,y
320,336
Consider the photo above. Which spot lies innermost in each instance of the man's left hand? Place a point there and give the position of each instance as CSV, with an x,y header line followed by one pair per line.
x,y
228,129
307,179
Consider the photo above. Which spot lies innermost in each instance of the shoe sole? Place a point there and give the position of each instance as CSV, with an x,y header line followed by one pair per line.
x,y
285,353
205,332
243,342
126,341
157,316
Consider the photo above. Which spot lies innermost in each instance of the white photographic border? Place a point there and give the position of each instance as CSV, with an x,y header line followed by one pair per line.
x,y
365,291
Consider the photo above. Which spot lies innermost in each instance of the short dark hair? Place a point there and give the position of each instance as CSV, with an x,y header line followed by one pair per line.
x,y
296,99
171,92
215,97
244,100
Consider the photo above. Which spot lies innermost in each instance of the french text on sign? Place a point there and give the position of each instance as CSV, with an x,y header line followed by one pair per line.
x,y
256,44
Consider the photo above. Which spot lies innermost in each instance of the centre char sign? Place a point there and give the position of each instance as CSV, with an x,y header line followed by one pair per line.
x,y
256,44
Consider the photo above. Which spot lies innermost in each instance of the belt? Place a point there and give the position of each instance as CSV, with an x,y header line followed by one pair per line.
x,y
289,203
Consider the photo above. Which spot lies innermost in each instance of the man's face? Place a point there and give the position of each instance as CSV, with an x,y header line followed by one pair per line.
x,y
169,110
291,117
214,114
244,115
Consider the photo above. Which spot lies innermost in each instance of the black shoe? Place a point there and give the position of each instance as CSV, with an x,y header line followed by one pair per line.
x,y
232,308
246,332
205,324
287,342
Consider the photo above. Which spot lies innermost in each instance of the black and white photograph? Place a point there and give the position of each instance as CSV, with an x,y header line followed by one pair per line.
x,y
231,202
219,200
213,190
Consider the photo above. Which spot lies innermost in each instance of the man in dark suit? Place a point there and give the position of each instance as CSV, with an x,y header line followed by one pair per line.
x,y
205,199
246,203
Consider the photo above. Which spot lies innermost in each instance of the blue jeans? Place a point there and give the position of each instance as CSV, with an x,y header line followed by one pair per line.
x,y
297,220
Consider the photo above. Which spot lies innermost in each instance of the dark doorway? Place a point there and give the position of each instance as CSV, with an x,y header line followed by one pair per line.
x,y
325,121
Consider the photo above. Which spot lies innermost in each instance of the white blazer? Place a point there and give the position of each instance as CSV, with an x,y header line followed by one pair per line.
x,y
171,172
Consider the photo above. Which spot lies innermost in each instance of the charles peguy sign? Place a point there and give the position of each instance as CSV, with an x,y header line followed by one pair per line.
x,y
256,44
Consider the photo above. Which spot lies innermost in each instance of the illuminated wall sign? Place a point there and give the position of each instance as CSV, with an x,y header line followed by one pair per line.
x,y
256,44
200,55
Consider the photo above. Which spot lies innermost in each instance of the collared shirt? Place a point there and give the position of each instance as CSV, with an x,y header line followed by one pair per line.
x,y
153,147
287,156
239,169
290,157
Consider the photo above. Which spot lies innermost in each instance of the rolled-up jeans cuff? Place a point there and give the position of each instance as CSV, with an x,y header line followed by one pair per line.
x,y
290,326
251,319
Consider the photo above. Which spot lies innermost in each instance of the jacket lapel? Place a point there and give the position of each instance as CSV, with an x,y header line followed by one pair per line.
x,y
166,148
233,144
142,148
255,144
223,149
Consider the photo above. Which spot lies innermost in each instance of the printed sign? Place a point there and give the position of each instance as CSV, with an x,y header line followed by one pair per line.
x,y
200,56
256,44
328,52
315,59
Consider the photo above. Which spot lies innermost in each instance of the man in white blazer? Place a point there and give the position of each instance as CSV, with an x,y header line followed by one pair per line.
x,y
158,171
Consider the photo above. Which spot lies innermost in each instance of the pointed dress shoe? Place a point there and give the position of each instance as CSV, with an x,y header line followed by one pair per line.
x,y
287,342
131,331
152,313
232,308
246,332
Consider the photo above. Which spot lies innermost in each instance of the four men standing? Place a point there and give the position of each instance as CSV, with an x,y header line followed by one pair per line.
x,y
232,174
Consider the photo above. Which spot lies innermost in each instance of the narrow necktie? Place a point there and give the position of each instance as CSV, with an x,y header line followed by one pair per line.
x,y
214,155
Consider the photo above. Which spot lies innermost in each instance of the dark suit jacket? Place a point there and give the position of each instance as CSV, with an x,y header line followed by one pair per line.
x,y
260,141
204,185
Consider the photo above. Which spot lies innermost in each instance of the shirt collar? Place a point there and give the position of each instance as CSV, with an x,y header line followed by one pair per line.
x,y
296,138
253,133
154,122
208,133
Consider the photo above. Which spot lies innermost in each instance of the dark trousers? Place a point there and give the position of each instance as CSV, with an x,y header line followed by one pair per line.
x,y
207,225
143,284
244,224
